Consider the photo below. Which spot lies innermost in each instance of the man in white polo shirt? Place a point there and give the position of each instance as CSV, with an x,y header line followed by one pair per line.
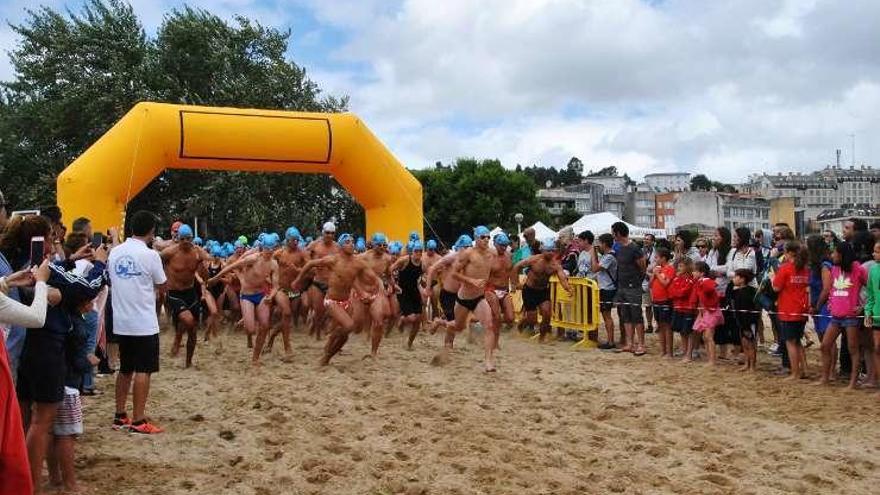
x,y
136,274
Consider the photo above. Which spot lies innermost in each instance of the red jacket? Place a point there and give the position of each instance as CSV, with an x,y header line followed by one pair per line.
x,y
706,294
682,294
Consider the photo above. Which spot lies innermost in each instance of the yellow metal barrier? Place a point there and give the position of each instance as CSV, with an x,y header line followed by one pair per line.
x,y
576,311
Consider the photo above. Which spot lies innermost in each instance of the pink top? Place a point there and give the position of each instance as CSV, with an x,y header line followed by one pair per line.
x,y
845,289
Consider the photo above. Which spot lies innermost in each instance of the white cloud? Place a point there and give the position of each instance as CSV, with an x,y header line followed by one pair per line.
x,y
724,88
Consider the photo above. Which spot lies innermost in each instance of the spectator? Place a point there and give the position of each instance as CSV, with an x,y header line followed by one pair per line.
x,y
631,268
525,250
82,225
604,268
52,214
136,272
15,473
77,248
43,365
651,259
585,257
15,247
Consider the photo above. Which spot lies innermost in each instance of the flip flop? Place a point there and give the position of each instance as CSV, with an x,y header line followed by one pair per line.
x,y
640,352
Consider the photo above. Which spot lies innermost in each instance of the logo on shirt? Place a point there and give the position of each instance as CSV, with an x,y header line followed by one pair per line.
x,y
126,267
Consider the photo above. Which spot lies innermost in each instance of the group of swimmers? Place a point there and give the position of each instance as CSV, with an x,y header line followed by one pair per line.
x,y
343,285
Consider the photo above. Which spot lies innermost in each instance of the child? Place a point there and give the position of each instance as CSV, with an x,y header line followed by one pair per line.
x,y
683,312
709,316
792,282
848,277
605,268
660,278
740,299
872,307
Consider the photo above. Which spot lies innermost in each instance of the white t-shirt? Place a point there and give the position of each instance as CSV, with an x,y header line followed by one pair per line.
x,y
134,270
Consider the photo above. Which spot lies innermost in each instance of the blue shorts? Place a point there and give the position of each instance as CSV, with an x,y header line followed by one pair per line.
x,y
846,322
663,311
792,330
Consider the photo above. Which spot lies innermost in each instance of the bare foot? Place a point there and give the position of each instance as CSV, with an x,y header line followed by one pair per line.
x,y
821,382
790,378
687,360
743,369
287,357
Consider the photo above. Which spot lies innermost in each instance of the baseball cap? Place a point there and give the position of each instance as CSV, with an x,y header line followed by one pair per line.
x,y
329,227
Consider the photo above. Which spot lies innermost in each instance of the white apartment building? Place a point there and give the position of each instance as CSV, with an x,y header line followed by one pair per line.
x,y
830,188
668,181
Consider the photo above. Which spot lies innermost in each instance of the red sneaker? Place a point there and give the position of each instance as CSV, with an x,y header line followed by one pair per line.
x,y
121,423
145,428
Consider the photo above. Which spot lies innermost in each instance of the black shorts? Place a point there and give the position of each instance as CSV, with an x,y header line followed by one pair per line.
x,y
447,304
138,354
532,298
42,368
792,330
663,311
185,300
606,299
630,308
108,321
410,302
683,323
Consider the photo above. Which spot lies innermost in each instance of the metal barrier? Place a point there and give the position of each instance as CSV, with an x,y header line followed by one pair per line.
x,y
577,311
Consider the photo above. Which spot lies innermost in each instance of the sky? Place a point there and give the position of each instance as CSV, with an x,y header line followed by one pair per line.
x,y
723,88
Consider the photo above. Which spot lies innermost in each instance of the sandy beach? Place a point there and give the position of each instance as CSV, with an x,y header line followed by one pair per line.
x,y
551,421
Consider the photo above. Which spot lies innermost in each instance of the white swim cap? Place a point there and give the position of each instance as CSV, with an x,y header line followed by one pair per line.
x,y
329,227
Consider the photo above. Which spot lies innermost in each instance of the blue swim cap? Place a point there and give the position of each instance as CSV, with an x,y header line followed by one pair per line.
x,y
360,245
217,252
198,241
309,239
343,238
464,241
292,233
395,247
481,230
185,232
414,236
548,244
379,238
502,239
431,245
270,241
415,246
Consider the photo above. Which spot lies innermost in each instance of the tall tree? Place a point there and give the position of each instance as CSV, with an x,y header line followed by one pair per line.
x,y
77,74
457,197
700,182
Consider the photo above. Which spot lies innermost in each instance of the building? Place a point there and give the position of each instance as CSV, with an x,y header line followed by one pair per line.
x,y
664,211
641,207
668,181
614,195
584,198
826,189
833,219
710,208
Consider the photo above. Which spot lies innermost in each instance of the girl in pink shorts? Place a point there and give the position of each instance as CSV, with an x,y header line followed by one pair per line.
x,y
709,313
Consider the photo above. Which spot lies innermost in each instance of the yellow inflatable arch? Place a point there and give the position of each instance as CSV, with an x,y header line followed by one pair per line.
x,y
154,136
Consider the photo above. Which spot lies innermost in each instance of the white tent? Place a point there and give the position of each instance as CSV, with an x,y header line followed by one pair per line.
x,y
542,231
600,223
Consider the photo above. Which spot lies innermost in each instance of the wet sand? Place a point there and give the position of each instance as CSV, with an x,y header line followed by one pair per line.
x,y
551,421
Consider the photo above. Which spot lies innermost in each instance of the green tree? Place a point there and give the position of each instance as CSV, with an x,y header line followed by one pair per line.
x,y
700,182
476,192
77,74
566,217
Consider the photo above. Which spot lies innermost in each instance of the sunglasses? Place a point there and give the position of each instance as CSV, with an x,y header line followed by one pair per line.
x,y
484,237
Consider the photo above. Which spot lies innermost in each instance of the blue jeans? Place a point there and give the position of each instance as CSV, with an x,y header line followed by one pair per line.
x,y
88,326
14,348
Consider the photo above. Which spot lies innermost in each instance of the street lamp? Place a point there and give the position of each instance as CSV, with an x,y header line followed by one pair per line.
x,y
519,218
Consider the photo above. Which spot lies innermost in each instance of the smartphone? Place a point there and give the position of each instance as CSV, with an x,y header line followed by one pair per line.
x,y
38,245
97,240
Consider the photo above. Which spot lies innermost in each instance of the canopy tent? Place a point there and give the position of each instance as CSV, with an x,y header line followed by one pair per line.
x,y
542,231
600,223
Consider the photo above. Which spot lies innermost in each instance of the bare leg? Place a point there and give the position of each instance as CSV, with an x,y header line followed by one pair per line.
x,y
339,336
828,343
38,438
378,312
852,341
139,396
264,315
123,385
609,326
544,308
64,447
484,313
